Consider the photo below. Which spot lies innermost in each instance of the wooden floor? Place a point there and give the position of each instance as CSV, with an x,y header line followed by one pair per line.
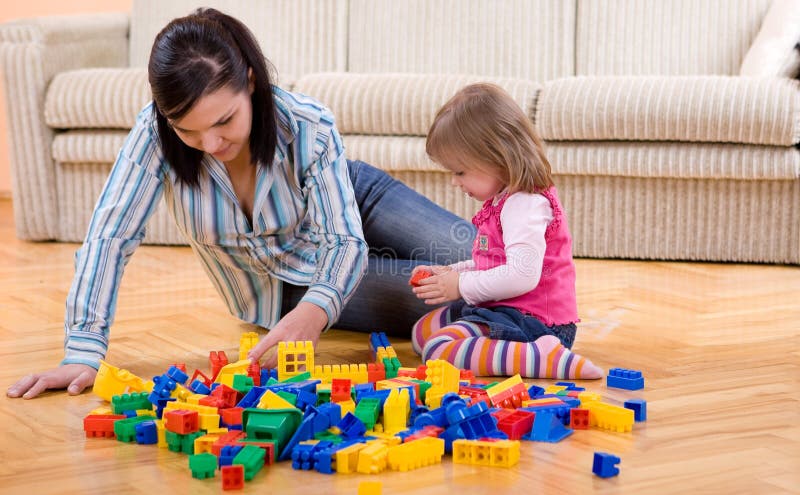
x,y
718,345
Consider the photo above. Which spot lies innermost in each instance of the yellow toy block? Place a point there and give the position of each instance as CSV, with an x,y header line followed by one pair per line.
x,y
219,431
504,386
549,401
554,389
247,341
162,434
195,398
102,410
442,375
204,443
372,459
271,400
348,406
294,358
111,381
609,417
502,453
347,458
370,488
396,408
416,454
386,438
433,398
586,397
225,375
207,410
356,373
382,353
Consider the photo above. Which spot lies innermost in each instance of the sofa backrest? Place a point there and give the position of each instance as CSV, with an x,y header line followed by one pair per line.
x,y
297,36
530,39
665,37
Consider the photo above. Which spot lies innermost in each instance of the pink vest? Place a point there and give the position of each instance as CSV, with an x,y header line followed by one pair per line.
x,y
553,300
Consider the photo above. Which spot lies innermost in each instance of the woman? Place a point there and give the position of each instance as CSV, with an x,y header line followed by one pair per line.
x,y
256,179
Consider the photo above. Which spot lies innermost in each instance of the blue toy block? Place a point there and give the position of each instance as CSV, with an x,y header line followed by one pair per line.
x,y
227,453
474,421
351,426
328,414
604,465
303,432
146,432
252,397
178,376
534,391
547,428
199,387
639,407
625,379
305,457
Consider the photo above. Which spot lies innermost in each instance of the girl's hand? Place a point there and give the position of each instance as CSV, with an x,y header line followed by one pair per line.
x,y
305,322
74,377
440,288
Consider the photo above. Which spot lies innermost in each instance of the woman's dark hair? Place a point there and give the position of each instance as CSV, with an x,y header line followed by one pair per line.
x,y
197,55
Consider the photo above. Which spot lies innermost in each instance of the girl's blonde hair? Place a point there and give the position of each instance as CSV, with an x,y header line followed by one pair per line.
x,y
483,127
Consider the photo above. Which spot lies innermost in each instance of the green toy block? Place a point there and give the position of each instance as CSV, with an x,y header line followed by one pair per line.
x,y
276,425
323,396
130,402
187,441
391,365
174,440
242,383
368,410
125,429
326,435
203,465
287,396
306,375
252,458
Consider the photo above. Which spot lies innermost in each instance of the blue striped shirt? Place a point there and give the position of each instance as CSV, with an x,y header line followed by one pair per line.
x,y
306,226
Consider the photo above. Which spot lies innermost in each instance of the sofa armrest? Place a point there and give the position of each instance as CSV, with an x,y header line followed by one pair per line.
x,y
32,52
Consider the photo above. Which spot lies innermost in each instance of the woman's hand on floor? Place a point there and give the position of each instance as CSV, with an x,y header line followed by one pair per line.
x,y
305,322
74,377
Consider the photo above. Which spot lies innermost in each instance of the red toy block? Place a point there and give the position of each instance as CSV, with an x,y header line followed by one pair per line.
x,y
203,378
516,424
476,394
254,372
100,425
229,396
233,477
212,402
467,375
229,438
375,372
181,421
180,366
217,359
419,275
579,419
340,390
427,431
511,398
269,449
231,415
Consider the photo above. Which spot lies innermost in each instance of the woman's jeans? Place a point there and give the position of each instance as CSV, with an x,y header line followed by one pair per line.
x,y
403,229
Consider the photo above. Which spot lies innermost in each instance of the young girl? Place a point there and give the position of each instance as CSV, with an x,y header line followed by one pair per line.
x,y
515,306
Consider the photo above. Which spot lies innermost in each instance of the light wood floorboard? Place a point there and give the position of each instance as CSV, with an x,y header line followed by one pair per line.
x,y
718,345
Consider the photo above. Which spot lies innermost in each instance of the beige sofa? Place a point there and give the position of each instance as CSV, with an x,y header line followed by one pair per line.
x,y
660,150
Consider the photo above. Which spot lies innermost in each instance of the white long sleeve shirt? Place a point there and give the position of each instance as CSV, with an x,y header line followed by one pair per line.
x,y
524,218
306,227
